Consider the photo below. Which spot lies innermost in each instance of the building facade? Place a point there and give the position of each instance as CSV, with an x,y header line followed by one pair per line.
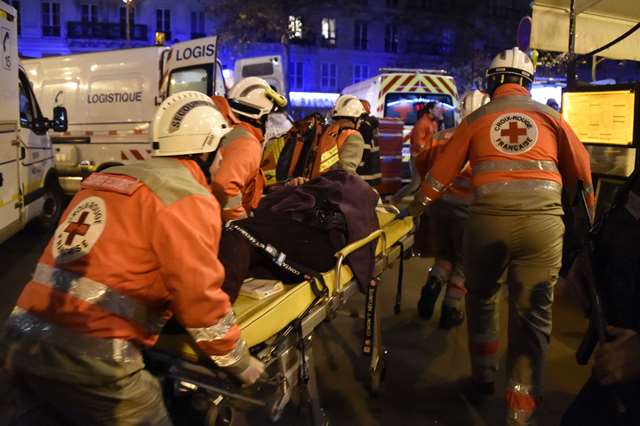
x,y
327,49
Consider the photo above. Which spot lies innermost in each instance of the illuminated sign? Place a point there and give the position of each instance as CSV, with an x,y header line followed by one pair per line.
x,y
601,117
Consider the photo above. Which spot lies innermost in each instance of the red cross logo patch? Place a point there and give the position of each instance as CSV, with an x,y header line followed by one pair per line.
x,y
80,230
514,133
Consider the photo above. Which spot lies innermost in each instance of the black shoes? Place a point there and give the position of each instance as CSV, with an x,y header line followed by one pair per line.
x,y
450,317
428,297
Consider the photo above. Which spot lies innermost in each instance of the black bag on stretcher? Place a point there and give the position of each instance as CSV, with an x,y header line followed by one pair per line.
x,y
296,231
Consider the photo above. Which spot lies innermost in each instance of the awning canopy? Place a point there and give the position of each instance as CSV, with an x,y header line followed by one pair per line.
x,y
598,22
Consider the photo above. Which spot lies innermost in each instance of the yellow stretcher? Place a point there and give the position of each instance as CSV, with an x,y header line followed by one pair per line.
x,y
279,330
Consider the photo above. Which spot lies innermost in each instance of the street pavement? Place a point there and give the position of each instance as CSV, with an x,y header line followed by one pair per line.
x,y
427,370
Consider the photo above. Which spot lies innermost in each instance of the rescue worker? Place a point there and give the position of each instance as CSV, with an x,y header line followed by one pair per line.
x,y
236,178
421,137
137,245
448,215
346,115
521,153
369,168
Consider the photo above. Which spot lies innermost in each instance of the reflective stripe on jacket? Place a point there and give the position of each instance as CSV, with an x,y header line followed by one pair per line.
x,y
520,152
137,245
236,178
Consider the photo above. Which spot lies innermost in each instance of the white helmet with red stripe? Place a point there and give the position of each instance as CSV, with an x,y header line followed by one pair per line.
x,y
471,101
348,106
187,123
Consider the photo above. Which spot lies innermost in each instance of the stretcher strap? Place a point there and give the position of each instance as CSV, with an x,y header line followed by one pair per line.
x,y
396,308
278,257
370,317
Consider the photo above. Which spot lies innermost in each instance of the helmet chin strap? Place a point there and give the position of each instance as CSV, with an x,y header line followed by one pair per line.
x,y
205,165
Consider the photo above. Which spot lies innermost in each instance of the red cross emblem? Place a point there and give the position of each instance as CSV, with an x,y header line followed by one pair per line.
x,y
513,132
77,228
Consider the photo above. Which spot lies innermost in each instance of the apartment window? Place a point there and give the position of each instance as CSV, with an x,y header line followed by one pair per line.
x,y
329,76
51,19
197,24
295,27
296,70
391,38
16,5
391,3
329,32
360,72
360,36
89,13
163,22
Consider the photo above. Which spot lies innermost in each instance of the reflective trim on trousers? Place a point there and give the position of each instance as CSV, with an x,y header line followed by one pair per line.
x,y
232,356
518,185
216,331
434,183
99,294
233,202
22,324
513,165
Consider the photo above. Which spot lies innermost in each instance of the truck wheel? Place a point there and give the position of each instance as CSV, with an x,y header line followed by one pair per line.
x,y
52,208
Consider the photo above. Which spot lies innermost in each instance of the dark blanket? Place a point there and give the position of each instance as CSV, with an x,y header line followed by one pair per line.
x,y
285,219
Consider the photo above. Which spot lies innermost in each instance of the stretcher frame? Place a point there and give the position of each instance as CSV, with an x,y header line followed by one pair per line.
x,y
288,355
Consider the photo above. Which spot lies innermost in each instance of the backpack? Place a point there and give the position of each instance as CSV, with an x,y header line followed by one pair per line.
x,y
310,149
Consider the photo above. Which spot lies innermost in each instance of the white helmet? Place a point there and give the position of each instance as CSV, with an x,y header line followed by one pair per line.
x,y
253,97
510,66
471,101
348,106
187,123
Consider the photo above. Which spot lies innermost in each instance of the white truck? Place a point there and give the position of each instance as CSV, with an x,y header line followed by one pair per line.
x,y
112,97
28,181
400,93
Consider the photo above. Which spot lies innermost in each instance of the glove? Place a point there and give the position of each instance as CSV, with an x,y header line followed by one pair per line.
x,y
417,206
252,372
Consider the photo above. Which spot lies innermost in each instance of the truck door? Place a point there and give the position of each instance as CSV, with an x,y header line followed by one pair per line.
x,y
34,150
9,184
193,65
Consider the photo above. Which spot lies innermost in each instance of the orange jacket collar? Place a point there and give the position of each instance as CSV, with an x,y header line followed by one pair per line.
x,y
257,133
511,89
195,170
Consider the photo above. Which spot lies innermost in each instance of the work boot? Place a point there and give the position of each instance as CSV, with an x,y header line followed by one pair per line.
x,y
428,297
450,317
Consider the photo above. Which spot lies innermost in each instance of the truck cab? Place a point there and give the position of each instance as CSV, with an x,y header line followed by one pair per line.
x,y
29,187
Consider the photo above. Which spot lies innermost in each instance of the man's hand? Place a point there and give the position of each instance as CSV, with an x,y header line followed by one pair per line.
x,y
618,361
297,181
252,372
417,206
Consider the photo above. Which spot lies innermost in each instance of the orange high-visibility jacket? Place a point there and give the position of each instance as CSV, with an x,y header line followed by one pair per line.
x,y
236,178
422,132
339,147
461,189
515,146
137,245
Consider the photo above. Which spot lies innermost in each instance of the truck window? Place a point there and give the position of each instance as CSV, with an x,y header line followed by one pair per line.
x,y
189,79
26,111
406,106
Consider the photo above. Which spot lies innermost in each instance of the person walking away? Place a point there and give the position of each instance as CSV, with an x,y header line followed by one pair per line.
x,y
236,179
137,245
448,215
521,154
